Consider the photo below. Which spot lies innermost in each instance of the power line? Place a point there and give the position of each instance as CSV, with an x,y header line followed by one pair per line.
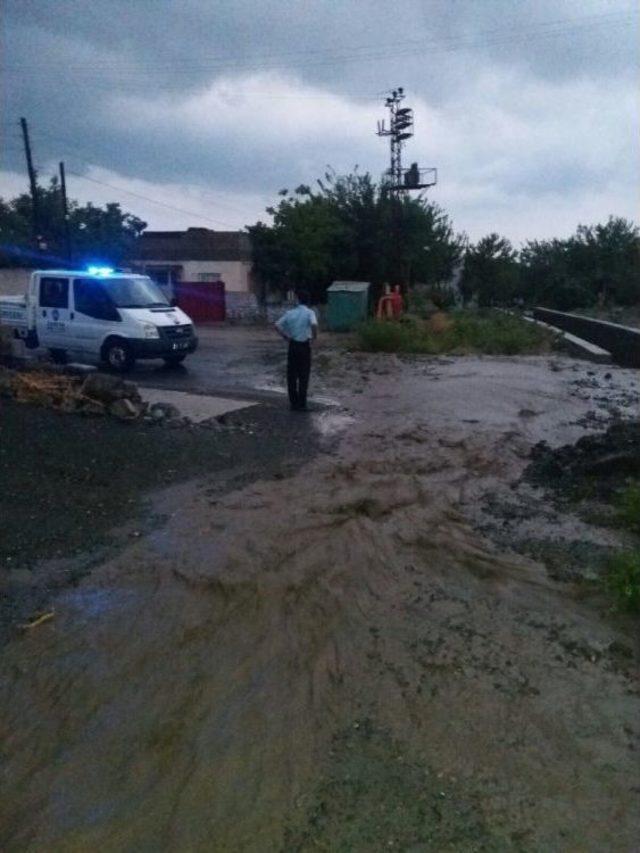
x,y
39,169
542,29
150,200
101,81
586,20
94,162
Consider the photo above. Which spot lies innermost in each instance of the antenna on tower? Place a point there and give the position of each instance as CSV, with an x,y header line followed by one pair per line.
x,y
399,131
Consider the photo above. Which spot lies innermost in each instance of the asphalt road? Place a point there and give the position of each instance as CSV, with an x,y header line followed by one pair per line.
x,y
236,360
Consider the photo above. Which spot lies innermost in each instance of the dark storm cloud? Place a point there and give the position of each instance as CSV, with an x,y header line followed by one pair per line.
x,y
154,89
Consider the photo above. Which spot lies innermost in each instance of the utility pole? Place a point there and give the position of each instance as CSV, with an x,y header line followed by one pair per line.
x,y
398,180
35,207
65,214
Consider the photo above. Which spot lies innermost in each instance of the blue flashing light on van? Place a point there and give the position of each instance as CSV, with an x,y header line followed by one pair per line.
x,y
103,271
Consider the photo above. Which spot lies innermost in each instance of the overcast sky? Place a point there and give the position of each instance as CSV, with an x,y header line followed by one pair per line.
x,y
196,112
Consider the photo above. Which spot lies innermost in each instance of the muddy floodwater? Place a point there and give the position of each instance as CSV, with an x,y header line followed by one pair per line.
x,y
339,659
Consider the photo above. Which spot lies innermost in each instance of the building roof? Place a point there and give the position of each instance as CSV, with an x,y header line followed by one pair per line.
x,y
194,244
349,286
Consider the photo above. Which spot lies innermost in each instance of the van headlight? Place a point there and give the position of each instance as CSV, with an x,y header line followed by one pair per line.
x,y
150,330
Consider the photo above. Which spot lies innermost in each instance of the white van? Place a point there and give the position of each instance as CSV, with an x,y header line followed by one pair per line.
x,y
99,315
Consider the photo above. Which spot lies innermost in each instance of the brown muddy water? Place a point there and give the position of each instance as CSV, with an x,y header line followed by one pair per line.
x,y
338,660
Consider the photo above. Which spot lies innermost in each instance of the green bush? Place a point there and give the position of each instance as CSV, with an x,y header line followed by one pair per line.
x,y
377,336
629,507
622,580
491,332
443,296
497,333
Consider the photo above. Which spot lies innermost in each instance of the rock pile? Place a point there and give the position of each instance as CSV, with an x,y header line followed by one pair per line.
x,y
92,394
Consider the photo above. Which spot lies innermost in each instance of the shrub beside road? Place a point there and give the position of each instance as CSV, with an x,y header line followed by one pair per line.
x,y
490,332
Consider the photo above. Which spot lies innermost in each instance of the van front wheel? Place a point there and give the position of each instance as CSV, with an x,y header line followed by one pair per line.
x,y
118,356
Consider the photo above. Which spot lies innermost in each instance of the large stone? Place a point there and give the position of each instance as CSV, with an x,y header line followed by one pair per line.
x,y
102,386
93,407
130,390
125,409
164,412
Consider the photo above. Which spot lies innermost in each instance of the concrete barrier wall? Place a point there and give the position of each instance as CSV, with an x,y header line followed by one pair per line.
x,y
623,342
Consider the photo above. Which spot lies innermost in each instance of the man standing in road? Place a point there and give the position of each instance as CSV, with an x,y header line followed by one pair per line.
x,y
299,327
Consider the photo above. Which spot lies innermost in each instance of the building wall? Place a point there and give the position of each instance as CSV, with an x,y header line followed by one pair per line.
x,y
235,274
13,282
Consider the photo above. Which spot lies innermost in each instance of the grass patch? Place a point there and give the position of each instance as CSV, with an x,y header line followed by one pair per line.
x,y
491,332
622,580
628,505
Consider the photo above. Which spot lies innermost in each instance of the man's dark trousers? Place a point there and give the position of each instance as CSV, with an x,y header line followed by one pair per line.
x,y
298,369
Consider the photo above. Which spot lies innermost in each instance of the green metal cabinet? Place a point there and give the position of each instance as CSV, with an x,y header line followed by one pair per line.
x,y
347,305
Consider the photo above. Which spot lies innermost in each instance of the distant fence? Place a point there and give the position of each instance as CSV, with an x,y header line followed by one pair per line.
x,y
623,342
203,301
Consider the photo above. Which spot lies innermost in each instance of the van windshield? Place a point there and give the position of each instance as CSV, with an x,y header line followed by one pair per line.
x,y
135,293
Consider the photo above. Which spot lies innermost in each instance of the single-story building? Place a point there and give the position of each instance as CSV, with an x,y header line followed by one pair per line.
x,y
14,280
198,257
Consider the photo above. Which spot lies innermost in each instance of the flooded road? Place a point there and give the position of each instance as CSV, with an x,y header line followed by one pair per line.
x,y
338,659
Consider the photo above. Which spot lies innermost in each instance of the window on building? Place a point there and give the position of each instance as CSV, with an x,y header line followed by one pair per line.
x,y
161,275
209,276
54,292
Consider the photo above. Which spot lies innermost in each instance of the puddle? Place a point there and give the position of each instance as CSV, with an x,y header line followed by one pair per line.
x,y
90,603
332,423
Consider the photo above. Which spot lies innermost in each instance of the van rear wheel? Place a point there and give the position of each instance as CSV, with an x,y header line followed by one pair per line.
x,y
118,356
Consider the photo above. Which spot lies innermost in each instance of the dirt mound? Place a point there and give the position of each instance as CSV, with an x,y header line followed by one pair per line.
x,y
596,464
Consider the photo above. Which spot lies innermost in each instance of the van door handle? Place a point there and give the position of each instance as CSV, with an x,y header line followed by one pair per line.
x,y
44,313
71,315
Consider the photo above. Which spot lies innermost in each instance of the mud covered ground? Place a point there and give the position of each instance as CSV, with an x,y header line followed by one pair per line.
x,y
351,655
75,488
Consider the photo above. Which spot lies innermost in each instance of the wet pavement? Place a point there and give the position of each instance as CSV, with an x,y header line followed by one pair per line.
x,y
233,359
196,408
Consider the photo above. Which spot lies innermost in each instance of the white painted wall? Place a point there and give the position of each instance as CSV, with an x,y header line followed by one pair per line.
x,y
235,274
13,282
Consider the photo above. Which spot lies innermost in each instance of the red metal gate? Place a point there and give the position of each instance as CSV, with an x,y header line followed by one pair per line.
x,y
203,301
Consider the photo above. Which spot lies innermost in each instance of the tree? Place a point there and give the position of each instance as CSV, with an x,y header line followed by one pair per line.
x,y
549,277
491,272
606,258
351,228
598,264
97,234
